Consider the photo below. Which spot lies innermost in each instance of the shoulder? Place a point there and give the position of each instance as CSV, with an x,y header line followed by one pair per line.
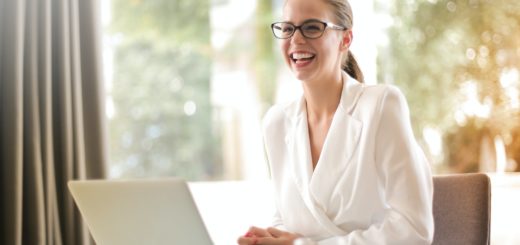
x,y
278,115
382,95
274,116
394,101
382,91
376,101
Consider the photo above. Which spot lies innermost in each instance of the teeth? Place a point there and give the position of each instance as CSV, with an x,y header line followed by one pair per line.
x,y
301,55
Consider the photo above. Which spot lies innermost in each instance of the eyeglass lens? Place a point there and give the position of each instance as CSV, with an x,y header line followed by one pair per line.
x,y
313,29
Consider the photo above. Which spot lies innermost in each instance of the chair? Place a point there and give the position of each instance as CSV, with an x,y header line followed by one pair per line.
x,y
461,209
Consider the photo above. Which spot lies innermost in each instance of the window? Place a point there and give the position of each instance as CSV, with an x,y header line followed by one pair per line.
x,y
162,121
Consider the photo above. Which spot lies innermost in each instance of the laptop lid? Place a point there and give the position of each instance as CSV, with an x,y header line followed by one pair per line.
x,y
159,211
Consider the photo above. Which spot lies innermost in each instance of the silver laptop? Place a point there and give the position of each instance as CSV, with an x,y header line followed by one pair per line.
x,y
160,211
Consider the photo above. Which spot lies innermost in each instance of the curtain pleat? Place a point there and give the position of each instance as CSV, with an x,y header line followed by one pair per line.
x,y
52,224
52,127
33,202
78,168
11,116
63,144
93,92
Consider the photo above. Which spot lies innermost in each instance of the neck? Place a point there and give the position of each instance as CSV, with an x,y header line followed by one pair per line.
x,y
323,97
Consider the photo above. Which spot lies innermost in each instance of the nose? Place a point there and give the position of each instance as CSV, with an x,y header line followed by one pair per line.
x,y
298,37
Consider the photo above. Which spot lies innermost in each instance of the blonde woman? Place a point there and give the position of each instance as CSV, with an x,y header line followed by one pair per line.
x,y
344,162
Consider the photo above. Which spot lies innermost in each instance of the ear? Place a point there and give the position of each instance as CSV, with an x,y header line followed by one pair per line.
x,y
346,40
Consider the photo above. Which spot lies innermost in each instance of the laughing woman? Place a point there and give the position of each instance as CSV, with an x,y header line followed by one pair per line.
x,y
344,162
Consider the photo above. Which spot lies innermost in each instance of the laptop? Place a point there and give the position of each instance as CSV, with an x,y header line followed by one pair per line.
x,y
158,211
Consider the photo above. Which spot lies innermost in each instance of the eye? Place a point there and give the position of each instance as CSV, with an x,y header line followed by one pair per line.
x,y
312,27
287,28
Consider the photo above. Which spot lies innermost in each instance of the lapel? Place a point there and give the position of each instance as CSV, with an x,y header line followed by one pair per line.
x,y
339,146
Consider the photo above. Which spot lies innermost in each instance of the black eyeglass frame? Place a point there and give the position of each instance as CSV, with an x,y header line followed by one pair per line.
x,y
295,28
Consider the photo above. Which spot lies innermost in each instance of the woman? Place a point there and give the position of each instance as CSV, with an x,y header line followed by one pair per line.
x,y
344,162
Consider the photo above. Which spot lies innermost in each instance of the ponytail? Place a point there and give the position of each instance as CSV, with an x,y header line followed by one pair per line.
x,y
351,67
343,12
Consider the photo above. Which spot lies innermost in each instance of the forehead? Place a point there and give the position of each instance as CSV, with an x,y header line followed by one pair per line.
x,y
297,11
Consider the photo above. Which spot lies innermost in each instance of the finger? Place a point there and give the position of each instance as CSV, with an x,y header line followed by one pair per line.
x,y
247,240
270,241
259,232
275,232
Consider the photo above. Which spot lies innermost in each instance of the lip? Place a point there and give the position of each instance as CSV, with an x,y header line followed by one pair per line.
x,y
299,63
300,51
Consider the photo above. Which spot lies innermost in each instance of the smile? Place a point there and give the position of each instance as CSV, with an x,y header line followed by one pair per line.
x,y
301,58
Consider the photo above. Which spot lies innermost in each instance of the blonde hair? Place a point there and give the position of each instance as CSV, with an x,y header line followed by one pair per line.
x,y
344,16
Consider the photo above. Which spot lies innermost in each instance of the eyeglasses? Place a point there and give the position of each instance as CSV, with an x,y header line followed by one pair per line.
x,y
310,29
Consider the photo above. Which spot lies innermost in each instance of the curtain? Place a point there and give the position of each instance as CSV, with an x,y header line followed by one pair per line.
x,y
52,126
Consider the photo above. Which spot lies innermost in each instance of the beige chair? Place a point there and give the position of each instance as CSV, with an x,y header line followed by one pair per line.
x,y
461,209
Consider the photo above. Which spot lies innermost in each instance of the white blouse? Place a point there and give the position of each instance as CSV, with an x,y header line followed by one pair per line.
x,y
372,183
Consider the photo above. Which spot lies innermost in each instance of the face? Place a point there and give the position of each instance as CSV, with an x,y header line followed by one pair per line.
x,y
313,59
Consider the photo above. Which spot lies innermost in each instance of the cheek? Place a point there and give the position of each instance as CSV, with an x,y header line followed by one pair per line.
x,y
284,47
331,49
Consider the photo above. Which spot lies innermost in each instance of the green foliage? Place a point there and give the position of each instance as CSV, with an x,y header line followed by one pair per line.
x,y
437,45
265,62
166,22
161,67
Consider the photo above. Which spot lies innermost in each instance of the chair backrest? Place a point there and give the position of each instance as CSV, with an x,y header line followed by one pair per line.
x,y
461,209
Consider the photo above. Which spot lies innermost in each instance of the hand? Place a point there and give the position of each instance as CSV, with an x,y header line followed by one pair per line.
x,y
277,237
252,236
269,236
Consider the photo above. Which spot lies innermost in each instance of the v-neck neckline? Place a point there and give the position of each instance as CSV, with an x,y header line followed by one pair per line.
x,y
310,163
321,150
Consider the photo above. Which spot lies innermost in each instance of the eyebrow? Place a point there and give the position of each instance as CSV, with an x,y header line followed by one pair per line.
x,y
305,21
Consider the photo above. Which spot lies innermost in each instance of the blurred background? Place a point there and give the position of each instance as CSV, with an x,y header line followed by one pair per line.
x,y
188,83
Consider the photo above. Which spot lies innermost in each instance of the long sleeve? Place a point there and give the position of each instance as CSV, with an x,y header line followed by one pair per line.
x,y
277,221
269,123
404,177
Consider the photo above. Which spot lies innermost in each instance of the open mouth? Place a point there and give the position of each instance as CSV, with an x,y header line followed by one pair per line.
x,y
301,58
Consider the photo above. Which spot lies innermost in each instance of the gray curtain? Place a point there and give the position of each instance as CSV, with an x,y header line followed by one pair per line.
x,y
52,126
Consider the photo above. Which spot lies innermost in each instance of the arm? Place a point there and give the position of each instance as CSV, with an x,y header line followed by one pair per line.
x,y
270,128
277,221
405,177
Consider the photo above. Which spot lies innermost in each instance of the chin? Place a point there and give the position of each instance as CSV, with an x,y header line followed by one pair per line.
x,y
305,73
302,75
